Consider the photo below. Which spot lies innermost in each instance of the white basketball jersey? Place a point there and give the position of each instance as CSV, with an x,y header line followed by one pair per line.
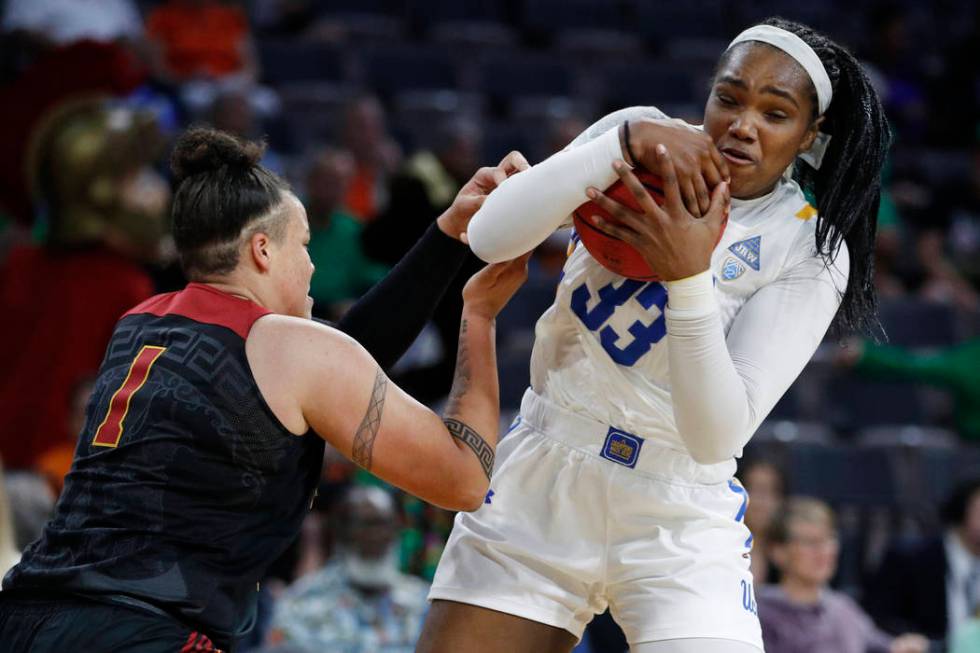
x,y
601,348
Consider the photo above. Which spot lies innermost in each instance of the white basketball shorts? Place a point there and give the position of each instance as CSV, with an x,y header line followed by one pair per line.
x,y
581,516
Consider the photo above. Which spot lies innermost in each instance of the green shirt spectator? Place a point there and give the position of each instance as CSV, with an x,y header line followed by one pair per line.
x,y
343,272
953,368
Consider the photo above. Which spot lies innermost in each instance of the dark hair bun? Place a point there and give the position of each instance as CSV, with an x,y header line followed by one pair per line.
x,y
201,149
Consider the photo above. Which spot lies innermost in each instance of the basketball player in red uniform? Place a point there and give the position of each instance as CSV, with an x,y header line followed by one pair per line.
x,y
204,437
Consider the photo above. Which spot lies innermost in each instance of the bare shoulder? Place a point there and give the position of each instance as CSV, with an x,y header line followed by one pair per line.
x,y
297,339
292,358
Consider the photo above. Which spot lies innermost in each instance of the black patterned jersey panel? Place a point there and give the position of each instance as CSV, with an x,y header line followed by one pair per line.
x,y
184,486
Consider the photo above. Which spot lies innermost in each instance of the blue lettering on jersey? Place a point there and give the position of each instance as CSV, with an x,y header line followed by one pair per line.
x,y
622,447
748,250
748,598
645,336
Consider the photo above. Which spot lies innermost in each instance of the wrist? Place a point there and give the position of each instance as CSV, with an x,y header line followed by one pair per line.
x,y
449,224
631,140
476,311
625,139
695,293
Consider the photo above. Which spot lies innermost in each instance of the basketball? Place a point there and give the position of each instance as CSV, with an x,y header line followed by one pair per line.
x,y
611,252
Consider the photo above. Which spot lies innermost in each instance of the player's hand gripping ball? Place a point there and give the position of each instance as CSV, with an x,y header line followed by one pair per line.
x,y
611,252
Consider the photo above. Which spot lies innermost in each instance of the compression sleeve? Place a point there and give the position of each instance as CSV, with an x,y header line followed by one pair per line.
x,y
722,388
388,318
527,207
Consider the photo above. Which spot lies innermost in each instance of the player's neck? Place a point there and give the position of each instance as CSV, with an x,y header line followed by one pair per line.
x,y
234,287
800,591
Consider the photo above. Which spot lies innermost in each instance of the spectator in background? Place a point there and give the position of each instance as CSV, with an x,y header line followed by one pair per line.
x,y
55,462
953,368
802,614
204,48
31,502
766,487
420,191
9,551
376,157
898,67
932,585
359,602
195,39
62,22
959,237
423,188
105,209
232,111
343,272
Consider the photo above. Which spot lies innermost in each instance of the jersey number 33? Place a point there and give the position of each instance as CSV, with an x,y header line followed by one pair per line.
x,y
611,297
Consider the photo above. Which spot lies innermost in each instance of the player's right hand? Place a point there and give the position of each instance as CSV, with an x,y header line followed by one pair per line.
x,y
698,164
489,290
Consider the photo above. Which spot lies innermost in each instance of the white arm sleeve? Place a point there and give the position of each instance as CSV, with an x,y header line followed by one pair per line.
x,y
721,391
527,207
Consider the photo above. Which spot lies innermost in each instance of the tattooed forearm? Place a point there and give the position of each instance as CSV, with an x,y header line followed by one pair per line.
x,y
472,439
366,433
461,381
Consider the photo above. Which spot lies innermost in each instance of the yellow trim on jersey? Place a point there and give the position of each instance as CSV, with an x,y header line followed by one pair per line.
x,y
806,212
146,375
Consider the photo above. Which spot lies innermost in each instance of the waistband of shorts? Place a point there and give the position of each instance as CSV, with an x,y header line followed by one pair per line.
x,y
617,446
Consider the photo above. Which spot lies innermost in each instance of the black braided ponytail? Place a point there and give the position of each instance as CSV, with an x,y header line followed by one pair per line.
x,y
847,186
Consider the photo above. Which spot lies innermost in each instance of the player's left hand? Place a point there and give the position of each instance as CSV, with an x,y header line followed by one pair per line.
x,y
673,242
455,220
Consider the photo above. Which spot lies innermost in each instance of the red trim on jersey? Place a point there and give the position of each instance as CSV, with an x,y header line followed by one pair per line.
x,y
111,428
198,642
203,303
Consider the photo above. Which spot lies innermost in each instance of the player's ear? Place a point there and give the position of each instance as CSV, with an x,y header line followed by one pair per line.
x,y
811,135
260,250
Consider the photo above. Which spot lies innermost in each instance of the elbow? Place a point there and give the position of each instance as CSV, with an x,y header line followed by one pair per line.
x,y
713,446
485,253
489,236
471,494
485,245
711,455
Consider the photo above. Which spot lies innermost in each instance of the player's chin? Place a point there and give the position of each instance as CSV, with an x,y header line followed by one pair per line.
x,y
744,184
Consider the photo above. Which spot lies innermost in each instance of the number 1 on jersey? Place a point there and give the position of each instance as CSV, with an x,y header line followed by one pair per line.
x,y
111,428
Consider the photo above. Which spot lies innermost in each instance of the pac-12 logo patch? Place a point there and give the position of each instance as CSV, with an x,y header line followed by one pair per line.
x,y
748,250
731,269
622,447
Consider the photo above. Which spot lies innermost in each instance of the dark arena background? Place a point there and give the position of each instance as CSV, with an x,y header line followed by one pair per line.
x,y
376,111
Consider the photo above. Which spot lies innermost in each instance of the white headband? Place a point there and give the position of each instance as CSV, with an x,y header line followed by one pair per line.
x,y
797,48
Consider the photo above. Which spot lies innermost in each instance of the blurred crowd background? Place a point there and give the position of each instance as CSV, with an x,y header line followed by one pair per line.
x,y
865,480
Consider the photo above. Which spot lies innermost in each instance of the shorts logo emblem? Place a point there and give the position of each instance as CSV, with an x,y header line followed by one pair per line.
x,y
622,447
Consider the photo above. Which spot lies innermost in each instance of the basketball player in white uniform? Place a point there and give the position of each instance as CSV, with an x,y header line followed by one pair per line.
x,y
614,487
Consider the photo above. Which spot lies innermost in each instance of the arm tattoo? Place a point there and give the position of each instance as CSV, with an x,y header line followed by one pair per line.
x,y
366,433
472,439
461,381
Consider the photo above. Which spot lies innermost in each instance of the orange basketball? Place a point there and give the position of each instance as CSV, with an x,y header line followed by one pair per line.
x,y
611,252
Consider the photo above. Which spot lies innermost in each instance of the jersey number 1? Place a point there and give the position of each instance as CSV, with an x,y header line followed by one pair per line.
x,y
111,428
